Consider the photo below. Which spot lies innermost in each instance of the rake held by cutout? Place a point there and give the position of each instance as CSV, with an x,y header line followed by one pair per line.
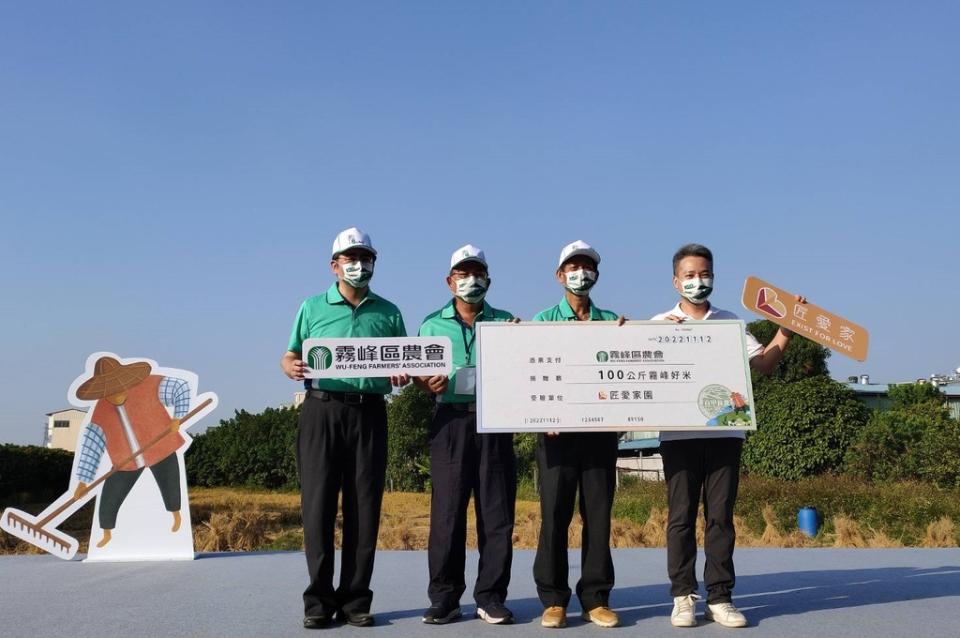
x,y
27,528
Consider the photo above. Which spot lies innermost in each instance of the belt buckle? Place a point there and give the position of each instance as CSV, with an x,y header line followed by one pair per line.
x,y
320,395
352,398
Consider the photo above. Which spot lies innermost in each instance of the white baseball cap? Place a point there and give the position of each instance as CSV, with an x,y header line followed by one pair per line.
x,y
352,238
578,248
467,253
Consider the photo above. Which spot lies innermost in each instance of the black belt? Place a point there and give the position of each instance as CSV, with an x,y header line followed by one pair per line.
x,y
348,398
460,407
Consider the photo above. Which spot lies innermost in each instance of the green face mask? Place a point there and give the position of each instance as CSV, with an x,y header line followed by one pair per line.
x,y
357,273
580,281
472,289
696,290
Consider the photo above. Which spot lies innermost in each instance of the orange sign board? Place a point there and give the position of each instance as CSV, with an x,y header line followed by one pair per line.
x,y
807,320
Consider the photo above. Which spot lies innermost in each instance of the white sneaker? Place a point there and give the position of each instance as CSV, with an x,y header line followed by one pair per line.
x,y
725,614
684,611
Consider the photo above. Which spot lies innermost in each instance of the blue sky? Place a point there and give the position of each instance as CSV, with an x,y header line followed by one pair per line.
x,y
172,177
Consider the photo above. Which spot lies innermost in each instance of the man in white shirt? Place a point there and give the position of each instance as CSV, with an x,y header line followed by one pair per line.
x,y
706,463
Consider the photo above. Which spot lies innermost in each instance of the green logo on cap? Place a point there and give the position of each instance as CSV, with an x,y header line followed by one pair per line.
x,y
320,358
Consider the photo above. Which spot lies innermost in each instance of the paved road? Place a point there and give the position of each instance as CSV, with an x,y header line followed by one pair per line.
x,y
820,593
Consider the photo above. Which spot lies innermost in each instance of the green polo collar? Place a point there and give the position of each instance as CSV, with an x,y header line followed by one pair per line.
x,y
567,312
334,296
449,311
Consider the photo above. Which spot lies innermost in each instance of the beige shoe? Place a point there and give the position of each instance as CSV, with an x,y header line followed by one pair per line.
x,y
554,617
684,611
725,614
602,616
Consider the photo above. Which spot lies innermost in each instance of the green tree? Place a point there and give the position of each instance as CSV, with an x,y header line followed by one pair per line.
x,y
32,472
914,439
905,395
525,448
803,358
408,456
877,452
804,428
410,413
252,450
938,454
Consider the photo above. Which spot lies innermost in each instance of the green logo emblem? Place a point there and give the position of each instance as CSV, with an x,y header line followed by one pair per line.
x,y
713,399
602,357
320,358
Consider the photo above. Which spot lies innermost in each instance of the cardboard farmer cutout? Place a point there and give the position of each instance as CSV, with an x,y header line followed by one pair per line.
x,y
130,457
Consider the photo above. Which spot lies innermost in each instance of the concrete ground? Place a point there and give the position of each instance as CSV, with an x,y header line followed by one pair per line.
x,y
819,593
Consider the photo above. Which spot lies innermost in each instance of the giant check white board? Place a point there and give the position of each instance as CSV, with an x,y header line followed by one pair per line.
x,y
586,376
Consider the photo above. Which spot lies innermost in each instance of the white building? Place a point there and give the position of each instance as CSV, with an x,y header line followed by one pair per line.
x,y
63,429
639,455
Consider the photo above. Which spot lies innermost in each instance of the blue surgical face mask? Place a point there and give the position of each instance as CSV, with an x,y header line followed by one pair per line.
x,y
472,289
357,273
579,281
697,289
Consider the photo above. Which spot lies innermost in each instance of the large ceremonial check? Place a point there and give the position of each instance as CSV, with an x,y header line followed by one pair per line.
x,y
574,376
377,357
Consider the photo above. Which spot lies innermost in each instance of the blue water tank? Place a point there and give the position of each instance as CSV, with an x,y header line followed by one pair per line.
x,y
808,520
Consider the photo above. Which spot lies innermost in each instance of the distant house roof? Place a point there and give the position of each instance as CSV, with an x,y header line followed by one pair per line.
x,y
636,441
869,388
66,410
952,390
639,444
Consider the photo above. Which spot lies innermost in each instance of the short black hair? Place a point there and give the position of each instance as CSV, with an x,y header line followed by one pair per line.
x,y
692,250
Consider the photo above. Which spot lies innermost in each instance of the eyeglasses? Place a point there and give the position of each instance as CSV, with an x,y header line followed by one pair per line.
x,y
462,274
346,258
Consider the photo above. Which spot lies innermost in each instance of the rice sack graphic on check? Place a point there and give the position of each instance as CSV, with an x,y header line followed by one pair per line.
x,y
724,407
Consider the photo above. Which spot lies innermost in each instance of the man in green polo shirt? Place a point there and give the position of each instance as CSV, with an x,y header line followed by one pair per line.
x,y
567,461
342,437
464,462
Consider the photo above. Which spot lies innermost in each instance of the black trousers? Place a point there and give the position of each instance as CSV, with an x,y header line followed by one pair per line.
x,y
567,462
116,488
709,468
341,448
462,463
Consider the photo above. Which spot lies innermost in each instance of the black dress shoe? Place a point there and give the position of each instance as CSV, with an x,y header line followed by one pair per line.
x,y
317,622
356,618
441,614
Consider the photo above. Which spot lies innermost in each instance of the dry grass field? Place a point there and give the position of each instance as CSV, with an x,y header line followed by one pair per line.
x,y
236,520
227,519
